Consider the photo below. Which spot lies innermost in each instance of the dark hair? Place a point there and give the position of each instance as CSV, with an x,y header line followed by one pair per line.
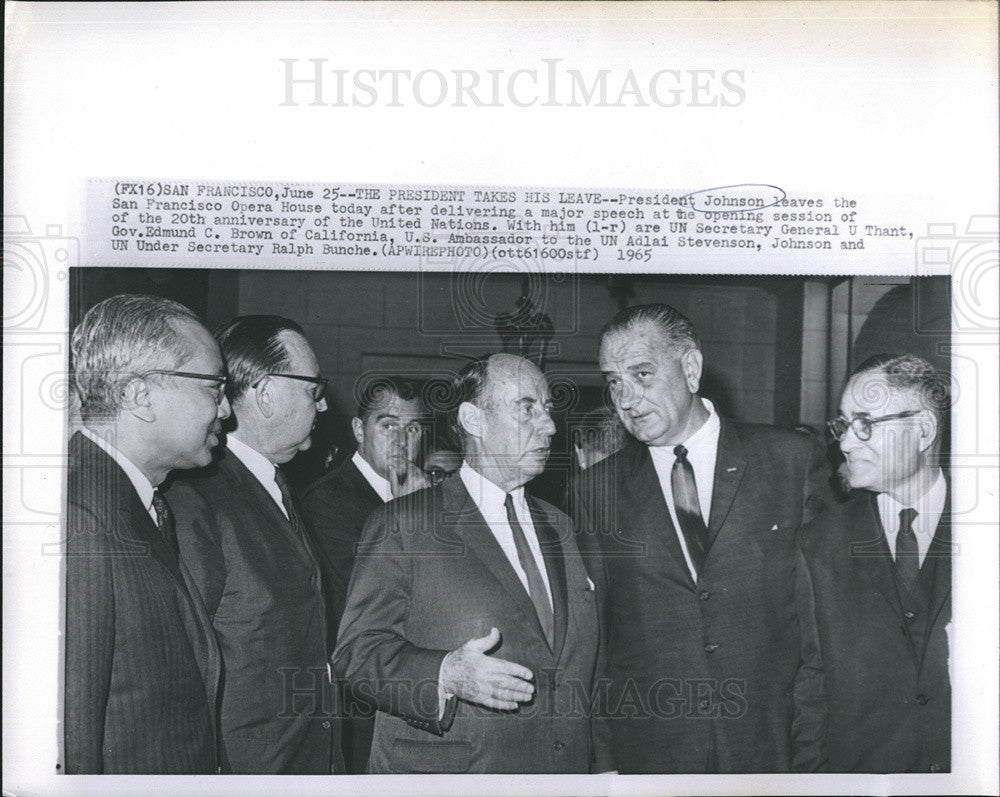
x,y
470,385
912,373
375,391
251,347
120,338
675,326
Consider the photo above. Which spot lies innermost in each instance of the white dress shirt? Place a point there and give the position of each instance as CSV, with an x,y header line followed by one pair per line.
x,y
142,485
379,485
260,466
703,450
929,508
490,501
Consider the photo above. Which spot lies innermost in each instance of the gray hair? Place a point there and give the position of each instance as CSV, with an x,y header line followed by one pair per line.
x,y
914,374
120,338
675,326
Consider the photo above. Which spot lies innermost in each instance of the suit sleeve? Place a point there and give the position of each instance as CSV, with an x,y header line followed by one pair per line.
x,y
602,757
200,542
90,641
817,492
809,711
373,654
326,517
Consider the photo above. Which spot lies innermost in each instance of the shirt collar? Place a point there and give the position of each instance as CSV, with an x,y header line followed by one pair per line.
x,y
929,506
142,485
706,437
379,484
259,465
487,496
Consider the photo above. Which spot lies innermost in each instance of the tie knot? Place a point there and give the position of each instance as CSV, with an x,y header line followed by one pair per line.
x,y
906,517
508,502
159,504
680,452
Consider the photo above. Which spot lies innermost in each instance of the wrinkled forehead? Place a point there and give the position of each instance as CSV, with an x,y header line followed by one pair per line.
x,y
871,394
640,341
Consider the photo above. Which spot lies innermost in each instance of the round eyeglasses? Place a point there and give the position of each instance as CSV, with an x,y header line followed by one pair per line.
x,y
861,424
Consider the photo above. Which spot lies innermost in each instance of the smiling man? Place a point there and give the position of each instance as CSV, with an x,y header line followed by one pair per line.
x,y
243,540
470,618
881,565
142,664
690,532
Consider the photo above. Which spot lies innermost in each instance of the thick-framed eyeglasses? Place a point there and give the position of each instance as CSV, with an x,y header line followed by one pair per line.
x,y
319,383
219,380
862,424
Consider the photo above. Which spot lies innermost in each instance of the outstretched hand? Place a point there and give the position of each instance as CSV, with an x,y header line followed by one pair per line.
x,y
473,675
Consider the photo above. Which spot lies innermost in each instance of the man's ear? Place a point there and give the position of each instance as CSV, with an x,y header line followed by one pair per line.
x,y
264,397
358,427
927,428
691,363
470,418
137,400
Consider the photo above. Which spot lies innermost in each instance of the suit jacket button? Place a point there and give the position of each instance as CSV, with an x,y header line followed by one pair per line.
x,y
703,704
557,746
326,725
704,595
711,647
922,699
909,615
935,768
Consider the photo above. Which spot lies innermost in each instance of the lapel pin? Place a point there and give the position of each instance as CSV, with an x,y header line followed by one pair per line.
x,y
774,527
730,470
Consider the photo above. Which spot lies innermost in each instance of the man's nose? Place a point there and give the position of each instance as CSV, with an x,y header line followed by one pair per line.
x,y
546,425
224,410
321,405
627,395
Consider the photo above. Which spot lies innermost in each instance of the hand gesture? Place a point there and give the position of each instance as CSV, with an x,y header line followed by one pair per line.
x,y
472,675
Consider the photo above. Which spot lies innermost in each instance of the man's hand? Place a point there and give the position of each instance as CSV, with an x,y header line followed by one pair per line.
x,y
405,477
474,676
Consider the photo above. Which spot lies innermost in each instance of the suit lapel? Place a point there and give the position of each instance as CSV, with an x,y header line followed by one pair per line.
x,y
555,567
869,550
469,525
939,556
730,467
248,484
642,507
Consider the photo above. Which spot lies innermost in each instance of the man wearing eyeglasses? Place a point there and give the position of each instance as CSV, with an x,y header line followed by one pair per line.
x,y
253,562
388,427
142,664
882,575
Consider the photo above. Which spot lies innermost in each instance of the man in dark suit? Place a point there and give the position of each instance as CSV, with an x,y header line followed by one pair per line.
x,y
470,618
142,664
881,568
254,565
388,428
690,531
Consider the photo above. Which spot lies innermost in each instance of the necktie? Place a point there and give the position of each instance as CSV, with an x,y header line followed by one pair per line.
x,y
286,500
165,521
536,586
907,553
688,509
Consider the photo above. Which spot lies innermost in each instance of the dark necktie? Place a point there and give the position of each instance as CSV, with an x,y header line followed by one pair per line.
x,y
536,586
165,521
907,553
688,509
289,504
